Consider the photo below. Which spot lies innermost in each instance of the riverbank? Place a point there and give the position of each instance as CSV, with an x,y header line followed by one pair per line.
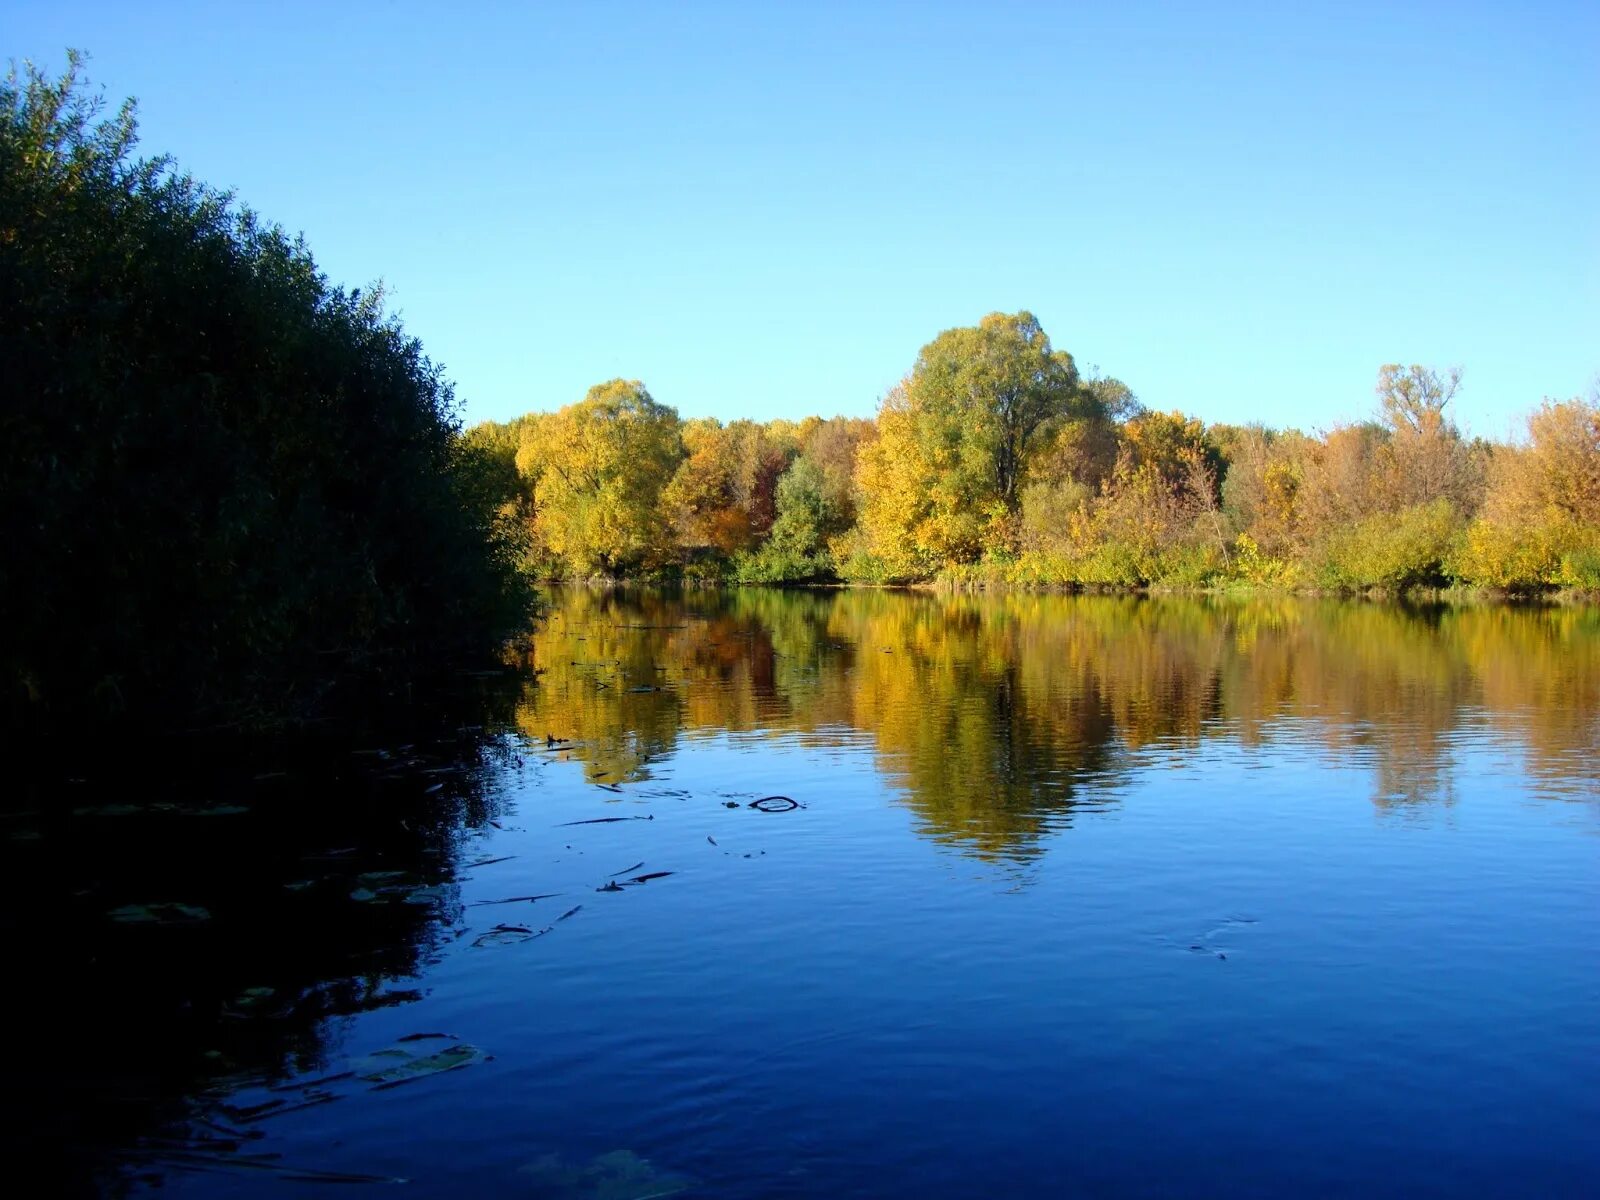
x,y
972,584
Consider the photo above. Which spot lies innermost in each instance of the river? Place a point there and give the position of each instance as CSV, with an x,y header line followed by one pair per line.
x,y
851,894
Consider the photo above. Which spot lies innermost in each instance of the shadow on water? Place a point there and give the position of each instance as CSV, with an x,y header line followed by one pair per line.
x,y
192,918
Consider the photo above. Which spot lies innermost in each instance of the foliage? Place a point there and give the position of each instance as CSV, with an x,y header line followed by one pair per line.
x,y
1540,520
808,517
992,463
723,495
1425,458
956,439
1580,565
227,483
1392,551
1252,566
605,463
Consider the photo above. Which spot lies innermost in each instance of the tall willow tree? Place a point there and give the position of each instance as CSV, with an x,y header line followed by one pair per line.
x,y
225,484
943,481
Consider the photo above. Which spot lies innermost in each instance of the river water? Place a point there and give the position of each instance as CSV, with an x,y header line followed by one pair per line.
x,y
853,894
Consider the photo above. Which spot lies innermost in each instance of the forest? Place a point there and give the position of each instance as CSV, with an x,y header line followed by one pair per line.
x,y
996,461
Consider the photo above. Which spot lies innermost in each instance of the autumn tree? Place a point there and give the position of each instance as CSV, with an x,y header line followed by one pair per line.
x,y
1426,458
832,447
605,464
1339,480
1177,449
943,481
1540,524
724,493
808,520
1560,469
1262,491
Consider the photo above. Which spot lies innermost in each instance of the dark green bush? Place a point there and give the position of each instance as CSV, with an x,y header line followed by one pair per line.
x,y
224,482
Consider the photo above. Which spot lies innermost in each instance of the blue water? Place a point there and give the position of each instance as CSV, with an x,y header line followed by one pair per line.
x,y
1083,897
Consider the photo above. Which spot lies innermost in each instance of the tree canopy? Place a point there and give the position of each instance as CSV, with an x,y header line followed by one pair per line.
x,y
992,461
957,437
607,460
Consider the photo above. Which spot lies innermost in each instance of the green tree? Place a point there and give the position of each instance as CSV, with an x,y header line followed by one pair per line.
x,y
989,391
808,520
225,483
943,480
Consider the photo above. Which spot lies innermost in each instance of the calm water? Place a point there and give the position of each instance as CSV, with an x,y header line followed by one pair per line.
x,y
1082,896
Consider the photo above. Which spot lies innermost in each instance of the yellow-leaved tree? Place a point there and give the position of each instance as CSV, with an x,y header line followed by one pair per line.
x,y
1540,524
943,481
605,461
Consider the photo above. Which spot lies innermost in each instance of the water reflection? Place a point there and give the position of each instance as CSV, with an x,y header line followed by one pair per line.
x,y
996,716
329,881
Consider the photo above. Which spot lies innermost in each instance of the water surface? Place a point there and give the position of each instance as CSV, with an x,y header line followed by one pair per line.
x,y
1082,896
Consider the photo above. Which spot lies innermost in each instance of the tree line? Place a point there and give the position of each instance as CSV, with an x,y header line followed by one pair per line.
x,y
995,460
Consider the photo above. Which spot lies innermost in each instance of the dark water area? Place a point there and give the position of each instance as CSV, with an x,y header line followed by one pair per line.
x,y
1077,896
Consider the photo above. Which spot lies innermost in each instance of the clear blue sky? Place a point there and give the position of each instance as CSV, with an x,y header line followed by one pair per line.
x,y
765,210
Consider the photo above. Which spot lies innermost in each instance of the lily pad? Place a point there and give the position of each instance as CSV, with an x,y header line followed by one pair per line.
x,y
395,1065
506,935
168,912
426,895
